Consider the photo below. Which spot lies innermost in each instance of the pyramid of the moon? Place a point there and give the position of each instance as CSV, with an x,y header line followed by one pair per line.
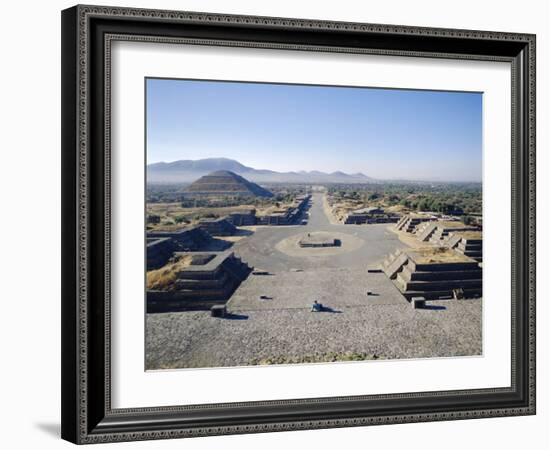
x,y
225,183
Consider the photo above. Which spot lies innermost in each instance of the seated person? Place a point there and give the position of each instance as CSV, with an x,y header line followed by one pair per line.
x,y
316,307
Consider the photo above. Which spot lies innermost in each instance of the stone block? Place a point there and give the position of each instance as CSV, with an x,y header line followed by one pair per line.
x,y
218,311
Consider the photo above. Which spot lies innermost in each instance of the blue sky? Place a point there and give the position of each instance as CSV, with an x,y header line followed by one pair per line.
x,y
384,133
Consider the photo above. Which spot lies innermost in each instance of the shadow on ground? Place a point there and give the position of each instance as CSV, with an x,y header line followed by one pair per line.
x,y
234,316
53,429
434,307
329,310
241,232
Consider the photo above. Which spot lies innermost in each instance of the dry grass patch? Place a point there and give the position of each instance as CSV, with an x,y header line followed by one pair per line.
x,y
469,234
431,255
397,209
164,278
340,209
451,224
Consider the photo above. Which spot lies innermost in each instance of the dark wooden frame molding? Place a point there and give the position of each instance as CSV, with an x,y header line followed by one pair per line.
x,y
87,31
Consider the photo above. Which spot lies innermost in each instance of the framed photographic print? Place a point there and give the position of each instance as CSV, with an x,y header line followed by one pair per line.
x,y
278,224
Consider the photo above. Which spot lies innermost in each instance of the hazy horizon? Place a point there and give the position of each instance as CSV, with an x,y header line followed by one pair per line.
x,y
332,171
386,134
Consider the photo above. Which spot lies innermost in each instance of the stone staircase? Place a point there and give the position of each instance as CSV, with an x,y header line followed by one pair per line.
x,y
469,244
400,222
409,222
439,235
425,230
394,263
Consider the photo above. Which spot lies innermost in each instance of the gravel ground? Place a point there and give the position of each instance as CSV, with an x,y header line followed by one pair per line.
x,y
334,288
194,339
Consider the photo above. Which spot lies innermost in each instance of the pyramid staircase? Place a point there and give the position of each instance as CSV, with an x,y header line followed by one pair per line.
x,y
425,230
394,263
409,222
442,230
400,222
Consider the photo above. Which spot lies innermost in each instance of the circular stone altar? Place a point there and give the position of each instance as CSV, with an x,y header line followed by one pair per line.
x,y
319,243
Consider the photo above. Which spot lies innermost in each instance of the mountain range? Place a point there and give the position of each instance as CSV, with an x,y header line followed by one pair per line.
x,y
187,171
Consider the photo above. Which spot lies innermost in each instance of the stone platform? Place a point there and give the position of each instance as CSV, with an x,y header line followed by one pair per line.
x,y
469,243
434,273
318,241
210,279
319,244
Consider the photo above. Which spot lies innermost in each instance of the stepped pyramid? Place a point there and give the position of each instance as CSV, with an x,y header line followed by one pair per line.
x,y
210,279
225,183
433,273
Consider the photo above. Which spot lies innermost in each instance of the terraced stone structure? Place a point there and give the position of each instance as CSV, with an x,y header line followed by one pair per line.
x,y
437,232
409,222
469,243
206,279
218,227
369,215
434,273
245,217
159,251
162,244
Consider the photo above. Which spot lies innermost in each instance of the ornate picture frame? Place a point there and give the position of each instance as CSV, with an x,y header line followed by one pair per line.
x,y
87,35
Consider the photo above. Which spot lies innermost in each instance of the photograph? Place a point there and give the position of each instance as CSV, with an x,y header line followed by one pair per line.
x,y
276,220
300,224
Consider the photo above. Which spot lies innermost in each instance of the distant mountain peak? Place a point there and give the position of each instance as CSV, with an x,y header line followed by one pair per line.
x,y
186,171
